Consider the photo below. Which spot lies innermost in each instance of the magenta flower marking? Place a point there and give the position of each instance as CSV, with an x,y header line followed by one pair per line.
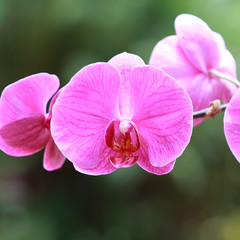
x,y
24,123
123,138
232,125
191,55
119,113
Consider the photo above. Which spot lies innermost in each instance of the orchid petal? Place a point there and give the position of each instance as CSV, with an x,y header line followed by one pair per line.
x,y
229,89
232,125
26,96
53,159
202,92
125,63
83,110
163,114
144,163
226,63
155,170
103,167
53,100
170,57
24,136
197,41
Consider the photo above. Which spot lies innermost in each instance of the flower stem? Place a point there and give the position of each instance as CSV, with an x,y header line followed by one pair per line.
x,y
207,112
225,76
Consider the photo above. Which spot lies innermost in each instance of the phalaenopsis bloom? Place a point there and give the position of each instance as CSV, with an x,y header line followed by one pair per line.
x,y
116,114
232,125
193,56
24,123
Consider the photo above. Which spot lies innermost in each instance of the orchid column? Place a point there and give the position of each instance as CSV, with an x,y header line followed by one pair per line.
x,y
119,113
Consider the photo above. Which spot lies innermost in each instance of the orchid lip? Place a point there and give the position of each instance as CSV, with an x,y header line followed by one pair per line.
x,y
123,138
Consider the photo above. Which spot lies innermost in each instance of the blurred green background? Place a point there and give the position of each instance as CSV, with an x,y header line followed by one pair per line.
x,y
199,199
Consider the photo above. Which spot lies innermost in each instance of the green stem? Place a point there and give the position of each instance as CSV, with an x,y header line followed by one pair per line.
x,y
225,76
203,113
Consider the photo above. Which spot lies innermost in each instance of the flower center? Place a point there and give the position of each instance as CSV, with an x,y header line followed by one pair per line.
x,y
123,138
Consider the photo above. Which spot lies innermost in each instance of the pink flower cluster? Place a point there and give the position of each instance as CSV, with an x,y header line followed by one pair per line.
x,y
190,57
120,113
24,123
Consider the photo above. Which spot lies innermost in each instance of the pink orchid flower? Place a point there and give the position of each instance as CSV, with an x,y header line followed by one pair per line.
x,y
116,114
24,124
191,57
232,125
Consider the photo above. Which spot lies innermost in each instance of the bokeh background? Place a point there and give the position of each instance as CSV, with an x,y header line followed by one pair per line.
x,y
199,199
